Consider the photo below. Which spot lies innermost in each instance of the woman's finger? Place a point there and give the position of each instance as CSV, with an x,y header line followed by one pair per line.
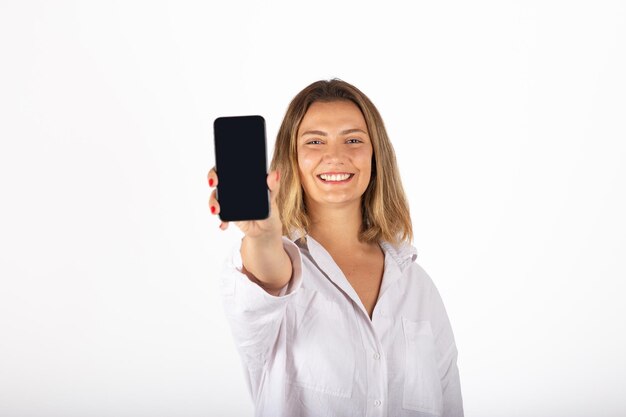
x,y
212,177
214,206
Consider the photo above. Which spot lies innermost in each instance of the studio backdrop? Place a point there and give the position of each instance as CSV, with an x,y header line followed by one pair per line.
x,y
507,119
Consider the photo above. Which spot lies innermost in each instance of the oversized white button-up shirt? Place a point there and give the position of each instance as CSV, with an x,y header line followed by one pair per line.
x,y
313,350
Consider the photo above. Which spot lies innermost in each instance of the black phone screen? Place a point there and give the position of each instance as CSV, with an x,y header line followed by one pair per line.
x,y
241,165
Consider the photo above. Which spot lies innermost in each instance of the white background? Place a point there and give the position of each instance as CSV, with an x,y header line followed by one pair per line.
x,y
508,119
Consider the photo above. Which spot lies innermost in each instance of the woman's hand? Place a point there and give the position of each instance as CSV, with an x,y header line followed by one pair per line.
x,y
265,261
268,229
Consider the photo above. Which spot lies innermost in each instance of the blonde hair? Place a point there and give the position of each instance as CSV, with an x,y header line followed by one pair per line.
x,y
384,205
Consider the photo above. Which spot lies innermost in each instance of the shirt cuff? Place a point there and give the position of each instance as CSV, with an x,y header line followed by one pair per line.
x,y
253,291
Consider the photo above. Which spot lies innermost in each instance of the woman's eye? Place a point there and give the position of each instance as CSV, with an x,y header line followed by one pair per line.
x,y
318,142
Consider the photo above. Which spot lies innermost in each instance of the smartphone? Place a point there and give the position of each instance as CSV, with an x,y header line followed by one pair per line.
x,y
241,165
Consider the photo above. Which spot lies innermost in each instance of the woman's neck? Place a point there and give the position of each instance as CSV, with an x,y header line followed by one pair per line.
x,y
336,227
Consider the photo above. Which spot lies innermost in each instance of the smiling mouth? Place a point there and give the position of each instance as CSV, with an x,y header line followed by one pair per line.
x,y
335,178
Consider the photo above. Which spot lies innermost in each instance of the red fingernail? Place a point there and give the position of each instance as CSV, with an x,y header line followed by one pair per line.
x,y
210,182
213,209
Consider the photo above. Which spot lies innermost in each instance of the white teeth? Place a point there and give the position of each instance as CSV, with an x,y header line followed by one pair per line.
x,y
339,177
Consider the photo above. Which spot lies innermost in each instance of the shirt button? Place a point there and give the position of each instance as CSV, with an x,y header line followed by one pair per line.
x,y
376,356
377,403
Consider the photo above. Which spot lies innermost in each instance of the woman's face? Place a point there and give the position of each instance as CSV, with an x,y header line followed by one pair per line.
x,y
334,153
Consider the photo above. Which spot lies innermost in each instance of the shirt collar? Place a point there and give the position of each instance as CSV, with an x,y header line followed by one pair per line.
x,y
397,257
403,253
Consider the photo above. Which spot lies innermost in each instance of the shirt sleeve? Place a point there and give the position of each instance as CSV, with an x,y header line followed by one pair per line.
x,y
447,357
254,315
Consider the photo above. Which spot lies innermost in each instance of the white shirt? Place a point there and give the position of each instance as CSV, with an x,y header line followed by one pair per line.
x,y
313,350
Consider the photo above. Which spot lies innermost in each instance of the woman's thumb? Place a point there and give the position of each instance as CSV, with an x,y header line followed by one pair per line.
x,y
273,182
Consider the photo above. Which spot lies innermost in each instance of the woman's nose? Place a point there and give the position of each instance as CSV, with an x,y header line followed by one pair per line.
x,y
334,153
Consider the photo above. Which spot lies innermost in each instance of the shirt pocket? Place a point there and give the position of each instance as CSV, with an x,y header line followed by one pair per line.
x,y
422,385
320,347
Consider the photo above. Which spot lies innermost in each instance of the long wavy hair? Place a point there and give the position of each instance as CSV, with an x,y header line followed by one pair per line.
x,y
384,205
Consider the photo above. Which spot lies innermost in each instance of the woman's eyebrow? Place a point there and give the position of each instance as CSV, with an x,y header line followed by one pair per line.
x,y
314,132
355,130
343,132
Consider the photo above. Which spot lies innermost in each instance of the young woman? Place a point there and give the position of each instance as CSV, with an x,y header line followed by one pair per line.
x,y
330,313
